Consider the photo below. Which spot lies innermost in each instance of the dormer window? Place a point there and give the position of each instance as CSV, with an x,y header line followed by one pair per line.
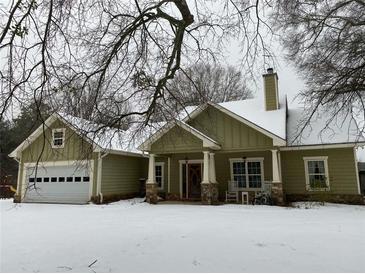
x,y
58,137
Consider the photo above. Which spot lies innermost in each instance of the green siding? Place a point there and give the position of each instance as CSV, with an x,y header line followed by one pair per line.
x,y
230,133
341,170
41,149
270,91
121,174
177,139
75,149
222,166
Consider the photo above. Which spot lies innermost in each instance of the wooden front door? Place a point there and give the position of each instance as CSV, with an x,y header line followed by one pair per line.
x,y
194,180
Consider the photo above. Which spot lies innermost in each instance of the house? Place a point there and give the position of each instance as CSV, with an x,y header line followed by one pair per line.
x,y
237,146
63,161
211,150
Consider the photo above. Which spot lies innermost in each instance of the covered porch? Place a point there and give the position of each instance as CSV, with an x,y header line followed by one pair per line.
x,y
206,175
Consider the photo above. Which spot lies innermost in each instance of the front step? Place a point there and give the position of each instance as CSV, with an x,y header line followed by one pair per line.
x,y
231,196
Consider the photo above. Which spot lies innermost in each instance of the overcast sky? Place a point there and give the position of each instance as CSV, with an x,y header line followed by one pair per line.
x,y
289,82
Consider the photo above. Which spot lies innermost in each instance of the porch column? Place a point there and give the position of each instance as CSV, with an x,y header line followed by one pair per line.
x,y
151,186
212,177
209,189
275,166
277,191
206,168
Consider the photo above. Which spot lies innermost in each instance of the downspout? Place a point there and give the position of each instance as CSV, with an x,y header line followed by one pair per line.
x,y
18,190
357,172
98,182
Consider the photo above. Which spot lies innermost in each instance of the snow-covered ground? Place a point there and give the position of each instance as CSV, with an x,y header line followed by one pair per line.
x,y
131,236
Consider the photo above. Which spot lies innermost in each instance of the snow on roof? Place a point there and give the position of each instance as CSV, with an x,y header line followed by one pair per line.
x,y
321,130
112,138
254,111
360,152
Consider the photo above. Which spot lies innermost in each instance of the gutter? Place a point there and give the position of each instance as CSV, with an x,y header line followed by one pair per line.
x,y
99,175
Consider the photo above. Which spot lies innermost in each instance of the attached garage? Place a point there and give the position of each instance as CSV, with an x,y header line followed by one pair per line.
x,y
58,182
75,168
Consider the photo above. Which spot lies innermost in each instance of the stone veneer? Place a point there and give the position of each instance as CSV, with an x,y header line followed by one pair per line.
x,y
152,193
209,193
277,193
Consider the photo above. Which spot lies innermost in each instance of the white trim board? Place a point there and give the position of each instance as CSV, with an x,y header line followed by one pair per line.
x,y
277,140
207,141
181,163
88,163
306,172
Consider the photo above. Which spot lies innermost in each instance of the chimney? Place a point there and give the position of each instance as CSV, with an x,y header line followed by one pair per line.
x,y
271,90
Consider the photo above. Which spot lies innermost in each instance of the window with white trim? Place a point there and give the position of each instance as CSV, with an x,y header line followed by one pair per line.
x,y
58,137
247,173
316,170
159,172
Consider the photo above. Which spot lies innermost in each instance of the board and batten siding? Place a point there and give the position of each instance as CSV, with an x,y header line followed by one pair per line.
x,y
222,165
230,133
177,140
75,149
121,174
341,170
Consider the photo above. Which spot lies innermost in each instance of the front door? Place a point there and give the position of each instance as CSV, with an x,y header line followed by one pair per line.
x,y
194,180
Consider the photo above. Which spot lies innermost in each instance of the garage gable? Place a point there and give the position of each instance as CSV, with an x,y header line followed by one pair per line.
x,y
41,148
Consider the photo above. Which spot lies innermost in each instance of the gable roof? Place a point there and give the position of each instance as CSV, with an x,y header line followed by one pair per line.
x,y
207,141
108,139
252,113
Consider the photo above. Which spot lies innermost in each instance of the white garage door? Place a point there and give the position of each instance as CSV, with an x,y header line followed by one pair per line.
x,y
58,184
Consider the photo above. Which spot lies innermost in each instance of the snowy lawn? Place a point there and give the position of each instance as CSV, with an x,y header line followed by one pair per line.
x,y
130,236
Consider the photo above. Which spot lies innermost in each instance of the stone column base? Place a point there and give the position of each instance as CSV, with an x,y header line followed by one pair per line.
x,y
151,193
17,198
277,193
209,193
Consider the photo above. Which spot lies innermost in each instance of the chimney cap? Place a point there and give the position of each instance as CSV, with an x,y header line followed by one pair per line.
x,y
270,70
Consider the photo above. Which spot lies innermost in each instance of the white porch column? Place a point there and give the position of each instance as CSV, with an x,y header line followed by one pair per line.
x,y
275,166
212,177
151,170
206,168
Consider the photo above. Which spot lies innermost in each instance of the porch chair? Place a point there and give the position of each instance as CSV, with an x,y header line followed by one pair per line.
x,y
232,193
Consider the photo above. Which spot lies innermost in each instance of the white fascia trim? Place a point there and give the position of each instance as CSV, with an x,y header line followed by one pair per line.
x,y
207,141
277,141
33,136
322,146
125,153
51,119
195,112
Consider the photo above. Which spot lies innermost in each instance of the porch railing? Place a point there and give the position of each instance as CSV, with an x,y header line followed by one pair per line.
x,y
234,186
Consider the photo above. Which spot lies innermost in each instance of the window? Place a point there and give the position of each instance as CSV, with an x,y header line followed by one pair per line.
x,y
316,170
39,179
31,180
61,179
53,179
159,170
77,179
86,179
239,174
58,138
46,179
69,179
247,173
